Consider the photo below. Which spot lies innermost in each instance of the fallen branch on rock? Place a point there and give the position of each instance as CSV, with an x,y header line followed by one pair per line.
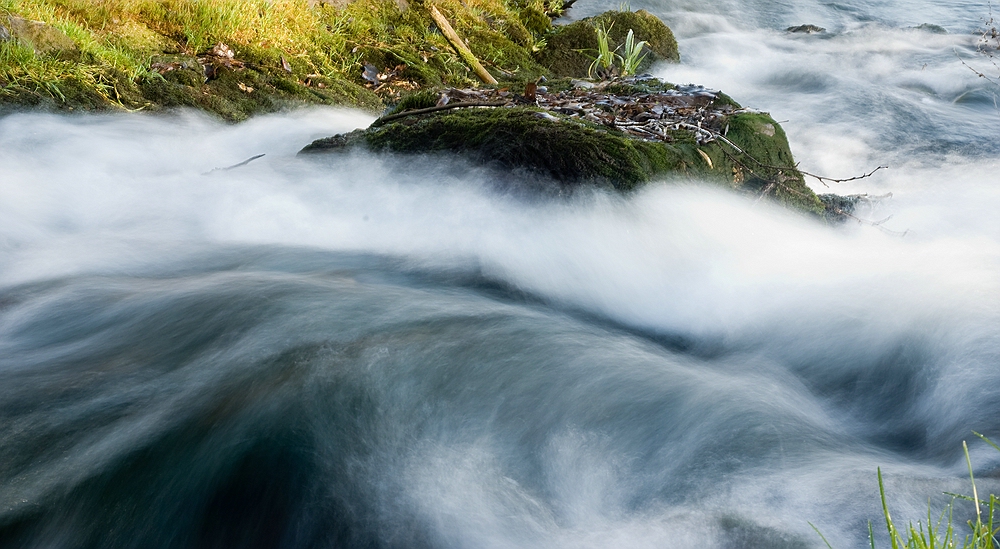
x,y
415,112
823,180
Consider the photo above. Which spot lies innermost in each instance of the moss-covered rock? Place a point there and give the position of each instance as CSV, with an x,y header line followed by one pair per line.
x,y
570,49
766,164
40,37
754,158
522,138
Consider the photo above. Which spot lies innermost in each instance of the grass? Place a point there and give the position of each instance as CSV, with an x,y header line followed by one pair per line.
x,y
632,54
629,60
941,534
320,40
605,59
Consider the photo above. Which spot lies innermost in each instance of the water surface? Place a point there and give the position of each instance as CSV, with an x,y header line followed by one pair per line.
x,y
392,353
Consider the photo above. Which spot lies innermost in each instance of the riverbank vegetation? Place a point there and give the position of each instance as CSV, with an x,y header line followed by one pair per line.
x,y
124,54
236,58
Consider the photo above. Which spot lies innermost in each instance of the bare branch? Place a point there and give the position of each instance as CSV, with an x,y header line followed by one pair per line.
x,y
823,180
415,112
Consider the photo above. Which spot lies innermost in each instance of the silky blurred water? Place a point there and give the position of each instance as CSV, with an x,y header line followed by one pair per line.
x,y
363,351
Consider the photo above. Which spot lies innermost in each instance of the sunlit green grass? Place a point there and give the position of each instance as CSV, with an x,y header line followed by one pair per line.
x,y
118,39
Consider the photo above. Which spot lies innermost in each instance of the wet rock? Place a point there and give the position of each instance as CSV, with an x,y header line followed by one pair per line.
x,y
184,70
570,49
44,39
619,134
841,208
931,28
805,29
5,34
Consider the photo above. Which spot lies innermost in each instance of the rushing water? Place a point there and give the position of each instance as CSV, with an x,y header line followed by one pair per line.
x,y
390,353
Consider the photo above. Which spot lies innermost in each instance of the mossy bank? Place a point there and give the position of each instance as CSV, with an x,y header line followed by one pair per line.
x,y
156,54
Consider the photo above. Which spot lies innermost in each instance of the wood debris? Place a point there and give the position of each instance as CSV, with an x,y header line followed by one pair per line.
x,y
652,116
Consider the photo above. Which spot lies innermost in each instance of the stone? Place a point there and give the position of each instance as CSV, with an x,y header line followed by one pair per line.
x,y
570,139
44,39
805,29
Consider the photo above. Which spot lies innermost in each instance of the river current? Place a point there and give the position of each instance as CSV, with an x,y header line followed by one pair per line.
x,y
381,352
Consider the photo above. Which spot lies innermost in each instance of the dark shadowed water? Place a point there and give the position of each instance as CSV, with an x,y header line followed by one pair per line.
x,y
362,352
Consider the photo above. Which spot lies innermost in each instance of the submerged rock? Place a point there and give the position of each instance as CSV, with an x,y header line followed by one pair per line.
x,y
620,134
931,28
841,208
805,29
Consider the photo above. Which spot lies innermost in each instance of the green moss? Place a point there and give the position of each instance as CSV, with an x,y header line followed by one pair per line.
x,y
637,86
535,21
766,161
518,138
574,152
567,150
235,95
570,49
495,50
417,100
646,26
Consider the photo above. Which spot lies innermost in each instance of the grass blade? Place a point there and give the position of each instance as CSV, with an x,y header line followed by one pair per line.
x,y
821,536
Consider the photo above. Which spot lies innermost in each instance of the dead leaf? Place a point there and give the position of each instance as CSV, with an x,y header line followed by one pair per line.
x,y
708,159
529,91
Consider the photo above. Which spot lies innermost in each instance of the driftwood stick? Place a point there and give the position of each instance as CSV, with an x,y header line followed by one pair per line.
x,y
460,47
414,112
244,163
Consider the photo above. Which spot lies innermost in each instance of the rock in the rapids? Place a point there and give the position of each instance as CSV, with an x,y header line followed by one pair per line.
x,y
931,28
42,38
805,29
570,49
620,134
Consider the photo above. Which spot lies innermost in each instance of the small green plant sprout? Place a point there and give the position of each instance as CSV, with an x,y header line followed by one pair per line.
x,y
605,59
983,534
632,54
941,534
